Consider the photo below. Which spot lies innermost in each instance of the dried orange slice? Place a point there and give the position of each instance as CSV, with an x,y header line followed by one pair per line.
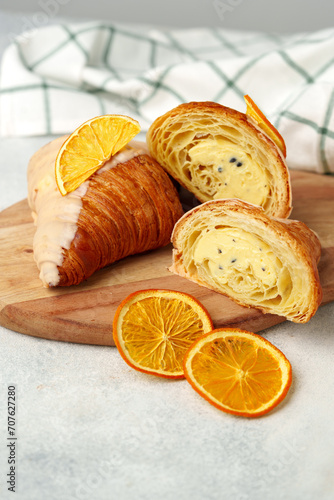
x,y
254,112
154,328
90,146
238,372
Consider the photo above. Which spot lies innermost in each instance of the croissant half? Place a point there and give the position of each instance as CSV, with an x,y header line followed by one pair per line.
x,y
217,152
234,248
127,207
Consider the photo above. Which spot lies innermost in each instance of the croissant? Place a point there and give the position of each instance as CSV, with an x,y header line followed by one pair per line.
x,y
127,207
216,152
234,248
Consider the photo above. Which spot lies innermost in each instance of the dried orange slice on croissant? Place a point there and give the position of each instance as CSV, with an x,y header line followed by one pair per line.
x,y
254,112
90,146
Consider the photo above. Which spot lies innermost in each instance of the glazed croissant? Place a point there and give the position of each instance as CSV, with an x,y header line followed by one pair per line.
x,y
127,207
234,248
216,153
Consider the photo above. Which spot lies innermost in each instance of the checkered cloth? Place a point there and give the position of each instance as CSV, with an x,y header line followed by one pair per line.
x,y
57,77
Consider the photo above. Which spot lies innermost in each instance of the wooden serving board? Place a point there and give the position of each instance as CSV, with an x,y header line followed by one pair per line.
x,y
84,313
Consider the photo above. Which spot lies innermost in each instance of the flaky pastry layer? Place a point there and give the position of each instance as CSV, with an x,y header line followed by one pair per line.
x,y
126,210
217,153
127,207
234,248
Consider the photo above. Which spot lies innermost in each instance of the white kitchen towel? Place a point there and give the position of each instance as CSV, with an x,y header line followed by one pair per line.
x,y
55,78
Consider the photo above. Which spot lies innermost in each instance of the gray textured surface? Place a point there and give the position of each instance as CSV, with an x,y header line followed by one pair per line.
x,y
263,15
89,427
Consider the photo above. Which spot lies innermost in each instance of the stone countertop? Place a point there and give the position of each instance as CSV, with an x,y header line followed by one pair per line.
x,y
90,427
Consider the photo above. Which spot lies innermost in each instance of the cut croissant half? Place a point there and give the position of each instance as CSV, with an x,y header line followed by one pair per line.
x,y
127,207
217,153
234,248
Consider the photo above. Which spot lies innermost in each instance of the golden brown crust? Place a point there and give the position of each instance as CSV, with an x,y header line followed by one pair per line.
x,y
128,209
301,250
171,137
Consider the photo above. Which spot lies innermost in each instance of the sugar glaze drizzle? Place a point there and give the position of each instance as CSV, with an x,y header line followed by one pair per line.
x,y
56,216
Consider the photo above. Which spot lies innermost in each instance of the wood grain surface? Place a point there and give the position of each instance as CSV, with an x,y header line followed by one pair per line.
x,y
84,313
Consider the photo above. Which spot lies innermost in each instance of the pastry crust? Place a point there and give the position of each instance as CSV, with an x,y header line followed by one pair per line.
x,y
234,248
217,152
124,209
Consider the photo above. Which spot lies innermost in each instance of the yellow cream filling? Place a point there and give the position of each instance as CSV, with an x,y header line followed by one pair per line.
x,y
221,170
241,264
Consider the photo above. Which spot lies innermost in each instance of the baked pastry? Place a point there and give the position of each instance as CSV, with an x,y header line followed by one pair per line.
x,y
216,153
234,248
127,207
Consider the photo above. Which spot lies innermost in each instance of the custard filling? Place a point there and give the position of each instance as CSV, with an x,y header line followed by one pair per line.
x,y
242,264
222,170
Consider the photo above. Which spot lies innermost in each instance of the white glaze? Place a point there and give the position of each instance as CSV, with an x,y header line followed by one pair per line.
x,y
56,216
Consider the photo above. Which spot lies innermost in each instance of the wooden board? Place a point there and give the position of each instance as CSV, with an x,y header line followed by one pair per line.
x,y
84,313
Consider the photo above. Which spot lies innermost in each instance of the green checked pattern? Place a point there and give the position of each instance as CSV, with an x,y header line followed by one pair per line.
x,y
60,76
